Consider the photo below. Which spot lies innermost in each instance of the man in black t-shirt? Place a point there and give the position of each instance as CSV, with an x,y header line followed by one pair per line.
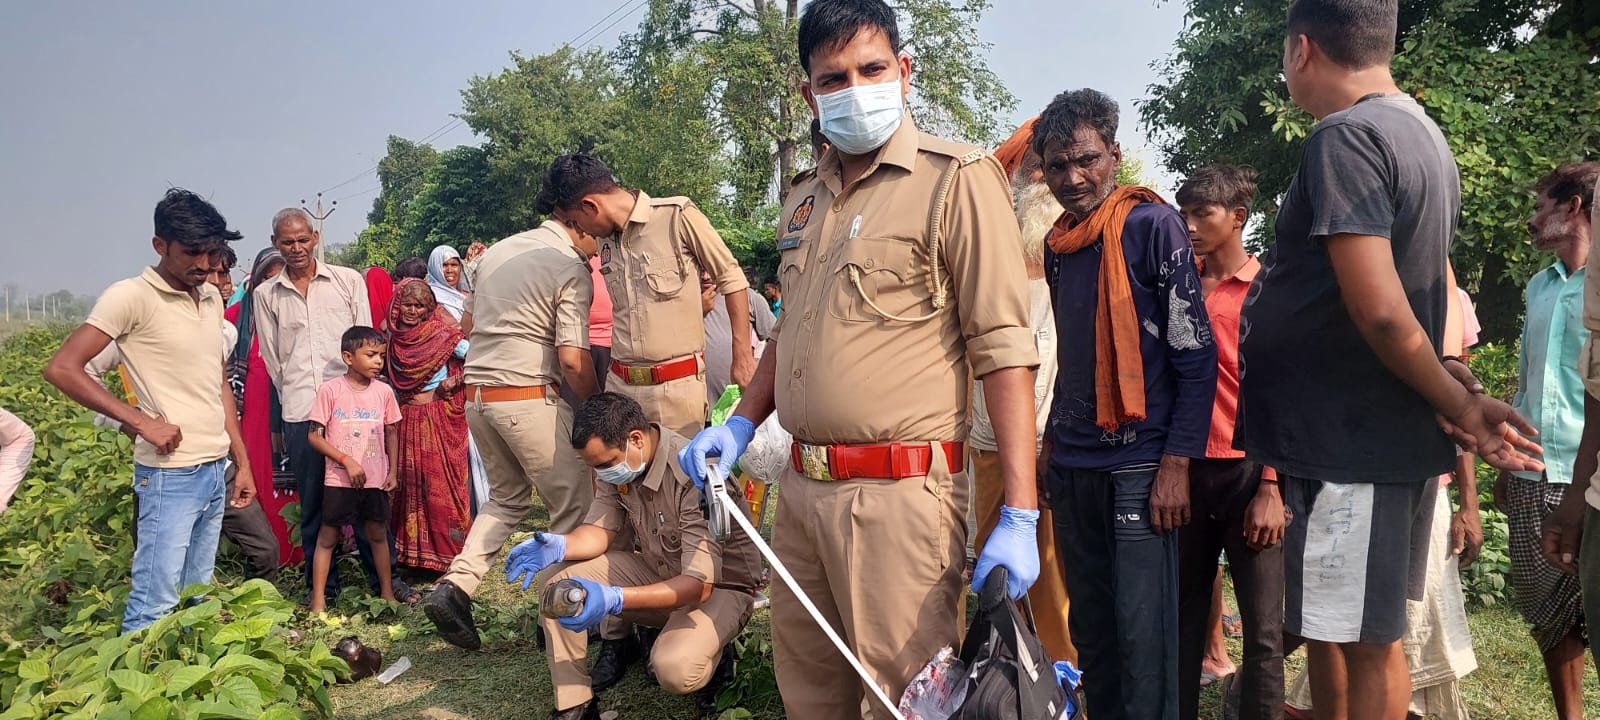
x,y
1340,369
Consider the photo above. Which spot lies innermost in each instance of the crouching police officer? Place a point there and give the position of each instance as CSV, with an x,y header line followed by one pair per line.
x,y
699,592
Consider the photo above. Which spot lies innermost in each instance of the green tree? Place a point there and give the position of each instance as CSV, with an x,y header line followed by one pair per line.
x,y
747,50
1512,84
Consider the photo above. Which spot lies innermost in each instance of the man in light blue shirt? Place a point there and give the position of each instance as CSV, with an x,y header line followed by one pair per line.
x,y
1551,397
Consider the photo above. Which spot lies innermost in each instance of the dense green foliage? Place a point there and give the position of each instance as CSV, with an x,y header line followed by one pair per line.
x,y
64,580
703,100
1513,84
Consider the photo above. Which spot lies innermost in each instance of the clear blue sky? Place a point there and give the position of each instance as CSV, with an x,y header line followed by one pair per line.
x,y
258,105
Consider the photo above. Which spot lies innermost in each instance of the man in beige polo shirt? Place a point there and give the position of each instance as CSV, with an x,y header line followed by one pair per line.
x,y
528,322
900,268
165,322
651,254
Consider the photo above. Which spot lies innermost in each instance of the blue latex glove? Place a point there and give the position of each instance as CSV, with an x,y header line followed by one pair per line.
x,y
727,441
599,601
1013,544
534,554
1068,676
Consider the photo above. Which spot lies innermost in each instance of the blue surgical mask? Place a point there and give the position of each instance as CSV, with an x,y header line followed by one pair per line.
x,y
621,473
860,119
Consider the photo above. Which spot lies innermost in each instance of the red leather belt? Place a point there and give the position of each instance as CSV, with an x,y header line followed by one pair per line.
x,y
656,374
894,461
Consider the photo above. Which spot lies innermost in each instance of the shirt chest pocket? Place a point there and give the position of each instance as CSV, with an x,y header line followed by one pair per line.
x,y
880,279
792,269
665,274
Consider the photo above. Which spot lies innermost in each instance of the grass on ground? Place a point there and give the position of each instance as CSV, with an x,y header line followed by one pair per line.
x,y
509,677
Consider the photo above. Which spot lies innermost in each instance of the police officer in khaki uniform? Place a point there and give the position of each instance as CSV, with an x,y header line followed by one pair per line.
x,y
651,254
528,322
698,591
901,265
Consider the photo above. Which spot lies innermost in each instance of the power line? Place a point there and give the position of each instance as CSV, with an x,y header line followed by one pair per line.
x,y
590,42
379,186
437,133
574,41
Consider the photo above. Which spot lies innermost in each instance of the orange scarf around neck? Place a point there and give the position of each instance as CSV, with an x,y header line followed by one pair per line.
x,y
1118,364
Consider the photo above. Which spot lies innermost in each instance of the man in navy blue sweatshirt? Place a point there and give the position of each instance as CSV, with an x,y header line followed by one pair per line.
x,y
1132,405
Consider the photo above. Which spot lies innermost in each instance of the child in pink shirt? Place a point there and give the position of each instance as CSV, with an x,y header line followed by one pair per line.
x,y
355,424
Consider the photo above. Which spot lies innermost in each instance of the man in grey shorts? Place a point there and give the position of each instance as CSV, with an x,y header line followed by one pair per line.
x,y
1341,374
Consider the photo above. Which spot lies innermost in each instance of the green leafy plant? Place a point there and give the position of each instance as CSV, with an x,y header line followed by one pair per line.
x,y
227,653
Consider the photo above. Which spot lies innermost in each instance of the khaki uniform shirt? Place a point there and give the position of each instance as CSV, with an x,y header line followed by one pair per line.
x,y
532,295
653,274
300,334
866,353
662,509
170,365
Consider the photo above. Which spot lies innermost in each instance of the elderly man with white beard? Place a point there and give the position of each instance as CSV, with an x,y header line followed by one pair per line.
x,y
1036,210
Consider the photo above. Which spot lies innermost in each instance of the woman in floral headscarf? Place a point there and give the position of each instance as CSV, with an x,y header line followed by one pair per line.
x,y
424,364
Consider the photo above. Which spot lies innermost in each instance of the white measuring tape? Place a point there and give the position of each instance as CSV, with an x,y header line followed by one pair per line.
x,y
723,505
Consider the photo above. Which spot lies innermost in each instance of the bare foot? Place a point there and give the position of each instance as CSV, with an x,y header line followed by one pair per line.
x,y
389,596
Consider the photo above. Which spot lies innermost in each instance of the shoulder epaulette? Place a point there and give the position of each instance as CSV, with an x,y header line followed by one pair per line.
x,y
803,176
679,201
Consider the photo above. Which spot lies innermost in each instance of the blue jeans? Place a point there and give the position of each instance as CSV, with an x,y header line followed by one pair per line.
x,y
180,520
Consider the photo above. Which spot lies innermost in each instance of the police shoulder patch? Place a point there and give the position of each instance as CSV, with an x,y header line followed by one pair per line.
x,y
802,214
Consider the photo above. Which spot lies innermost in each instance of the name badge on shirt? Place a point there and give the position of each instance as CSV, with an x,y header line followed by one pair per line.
x,y
789,242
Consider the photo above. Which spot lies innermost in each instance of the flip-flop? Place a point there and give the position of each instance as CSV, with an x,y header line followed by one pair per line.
x,y
405,593
1209,679
1232,626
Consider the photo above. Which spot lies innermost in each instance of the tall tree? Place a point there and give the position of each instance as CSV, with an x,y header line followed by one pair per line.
x,y
747,47
1513,84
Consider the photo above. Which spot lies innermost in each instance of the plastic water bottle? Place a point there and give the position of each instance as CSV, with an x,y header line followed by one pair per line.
x,y
399,666
563,599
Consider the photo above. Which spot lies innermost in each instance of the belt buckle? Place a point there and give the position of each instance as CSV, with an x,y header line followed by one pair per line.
x,y
640,376
814,462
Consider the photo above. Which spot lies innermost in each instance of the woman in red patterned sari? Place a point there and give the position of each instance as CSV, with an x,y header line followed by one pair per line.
x,y
430,505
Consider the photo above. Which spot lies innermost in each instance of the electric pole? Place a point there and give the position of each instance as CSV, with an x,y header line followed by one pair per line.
x,y
319,215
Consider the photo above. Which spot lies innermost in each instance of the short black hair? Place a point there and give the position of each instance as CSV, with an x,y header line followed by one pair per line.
x,y
608,416
360,336
1571,180
570,178
832,24
1354,33
225,257
1071,109
411,267
185,218
1230,186
773,281
817,140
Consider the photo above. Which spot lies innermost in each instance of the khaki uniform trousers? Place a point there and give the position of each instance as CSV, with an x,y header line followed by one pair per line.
x,y
684,656
1048,596
678,405
526,445
882,561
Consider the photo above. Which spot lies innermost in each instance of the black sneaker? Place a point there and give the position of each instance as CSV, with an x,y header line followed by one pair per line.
x,y
586,711
706,698
450,609
612,663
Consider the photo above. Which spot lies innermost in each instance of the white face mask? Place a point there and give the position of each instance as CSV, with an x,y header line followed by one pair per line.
x,y
621,473
860,119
